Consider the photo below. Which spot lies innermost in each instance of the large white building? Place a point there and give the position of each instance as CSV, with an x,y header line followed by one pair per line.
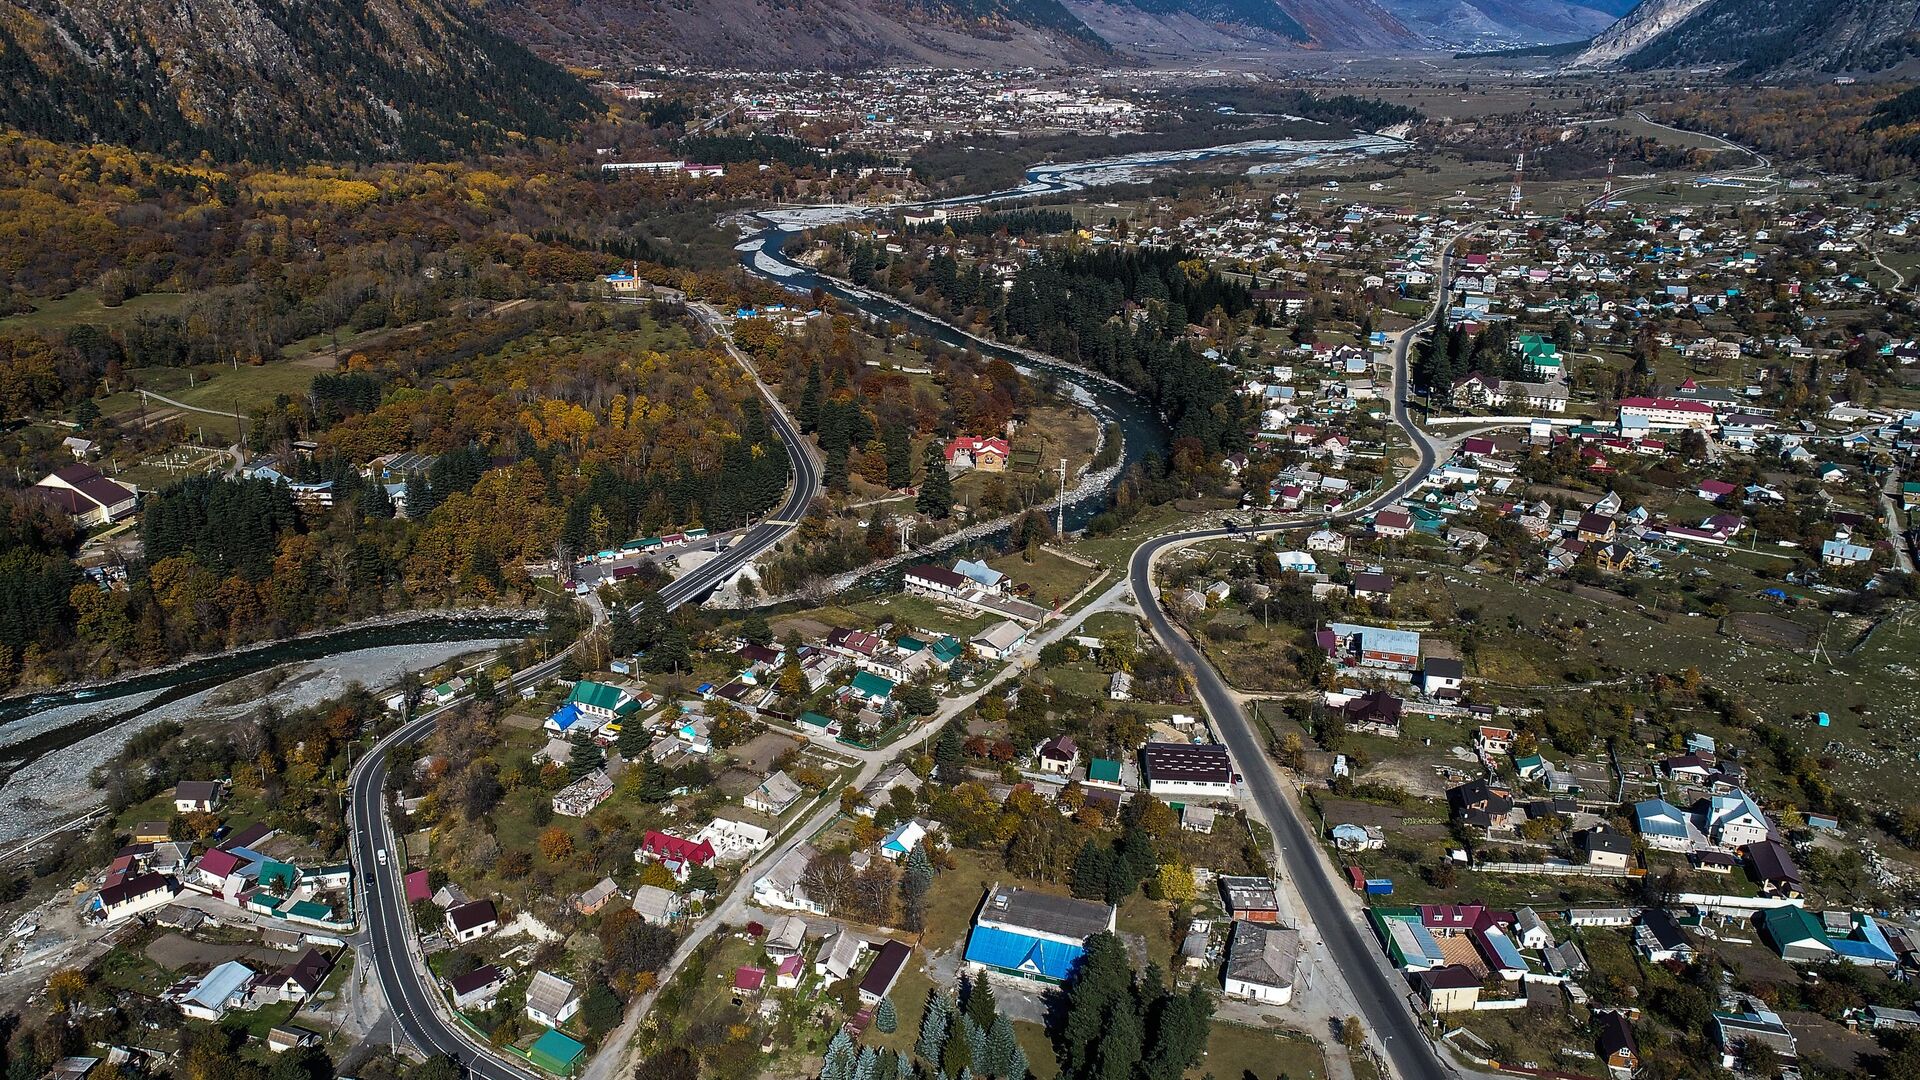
x,y
1189,770
1668,414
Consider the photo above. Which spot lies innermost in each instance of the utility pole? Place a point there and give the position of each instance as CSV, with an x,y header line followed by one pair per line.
x,y
906,533
1606,193
1513,195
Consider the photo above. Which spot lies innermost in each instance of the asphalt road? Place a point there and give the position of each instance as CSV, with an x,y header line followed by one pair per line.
x,y
415,1003
1380,991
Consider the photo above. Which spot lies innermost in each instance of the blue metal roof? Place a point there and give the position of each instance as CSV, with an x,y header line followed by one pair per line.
x,y
1009,951
1429,947
564,716
1504,951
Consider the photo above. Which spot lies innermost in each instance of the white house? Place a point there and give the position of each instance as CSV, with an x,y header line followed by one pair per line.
x,y
472,921
551,1000
1734,820
774,795
783,886
1260,962
131,896
1188,769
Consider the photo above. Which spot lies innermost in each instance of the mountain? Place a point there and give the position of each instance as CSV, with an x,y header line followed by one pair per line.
x,y
771,35
1755,39
1203,27
1489,23
276,80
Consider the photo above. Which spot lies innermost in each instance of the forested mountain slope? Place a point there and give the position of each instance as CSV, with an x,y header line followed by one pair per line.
x,y
274,80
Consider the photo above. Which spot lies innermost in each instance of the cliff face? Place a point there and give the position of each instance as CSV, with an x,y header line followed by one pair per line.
x,y
1784,36
276,79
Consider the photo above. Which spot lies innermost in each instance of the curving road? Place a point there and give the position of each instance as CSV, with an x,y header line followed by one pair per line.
x,y
415,1003
1378,989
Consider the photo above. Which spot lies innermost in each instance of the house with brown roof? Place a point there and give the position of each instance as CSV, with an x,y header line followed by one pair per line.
x,y
86,495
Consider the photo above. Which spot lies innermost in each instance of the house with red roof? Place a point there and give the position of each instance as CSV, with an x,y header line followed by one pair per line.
x,y
676,853
972,452
749,979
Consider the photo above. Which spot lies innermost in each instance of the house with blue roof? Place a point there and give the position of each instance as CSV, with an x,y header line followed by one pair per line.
x,y
1033,935
1665,827
979,573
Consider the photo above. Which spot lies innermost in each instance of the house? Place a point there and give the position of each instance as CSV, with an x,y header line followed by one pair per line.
x,y
1197,819
1664,826
1660,939
1449,988
1058,755
1614,1035
1370,646
782,886
1261,961
1842,553
1614,558
1104,773
1494,741
225,987
676,853
839,955
1188,769
872,689
981,574
1120,687
1480,804
1375,710
998,642
86,495
1606,848
284,1037
972,452
905,836
929,580
1734,1032
1599,916
477,988
1251,899
599,896
1442,677
197,796
1773,867
888,962
602,703
1033,935
1371,586
661,907
1734,820
551,1000
133,895
301,979
1392,524
775,794
786,937
472,921
1530,931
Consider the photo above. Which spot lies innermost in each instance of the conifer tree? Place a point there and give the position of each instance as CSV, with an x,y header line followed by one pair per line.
x,y
584,756
933,1027
936,488
886,1019
980,1004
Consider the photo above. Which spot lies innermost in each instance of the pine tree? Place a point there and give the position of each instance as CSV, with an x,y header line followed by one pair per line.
x,y
1092,870
867,1065
976,1045
1101,984
914,884
839,1062
980,1003
417,497
1001,1046
584,757
632,743
949,753
933,1027
958,1053
936,488
1017,1064
1117,1053
885,1019
623,637
808,414
899,457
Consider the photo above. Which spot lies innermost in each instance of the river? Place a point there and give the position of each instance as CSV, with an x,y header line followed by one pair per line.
x,y
763,251
49,742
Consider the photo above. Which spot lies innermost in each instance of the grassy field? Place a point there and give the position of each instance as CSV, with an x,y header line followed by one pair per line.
x,y
83,306
223,389
1241,1052
1052,577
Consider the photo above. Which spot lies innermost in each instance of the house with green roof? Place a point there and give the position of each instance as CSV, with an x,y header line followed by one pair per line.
x,y
278,877
1910,495
1103,772
877,691
947,650
1795,934
555,1053
814,724
602,702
